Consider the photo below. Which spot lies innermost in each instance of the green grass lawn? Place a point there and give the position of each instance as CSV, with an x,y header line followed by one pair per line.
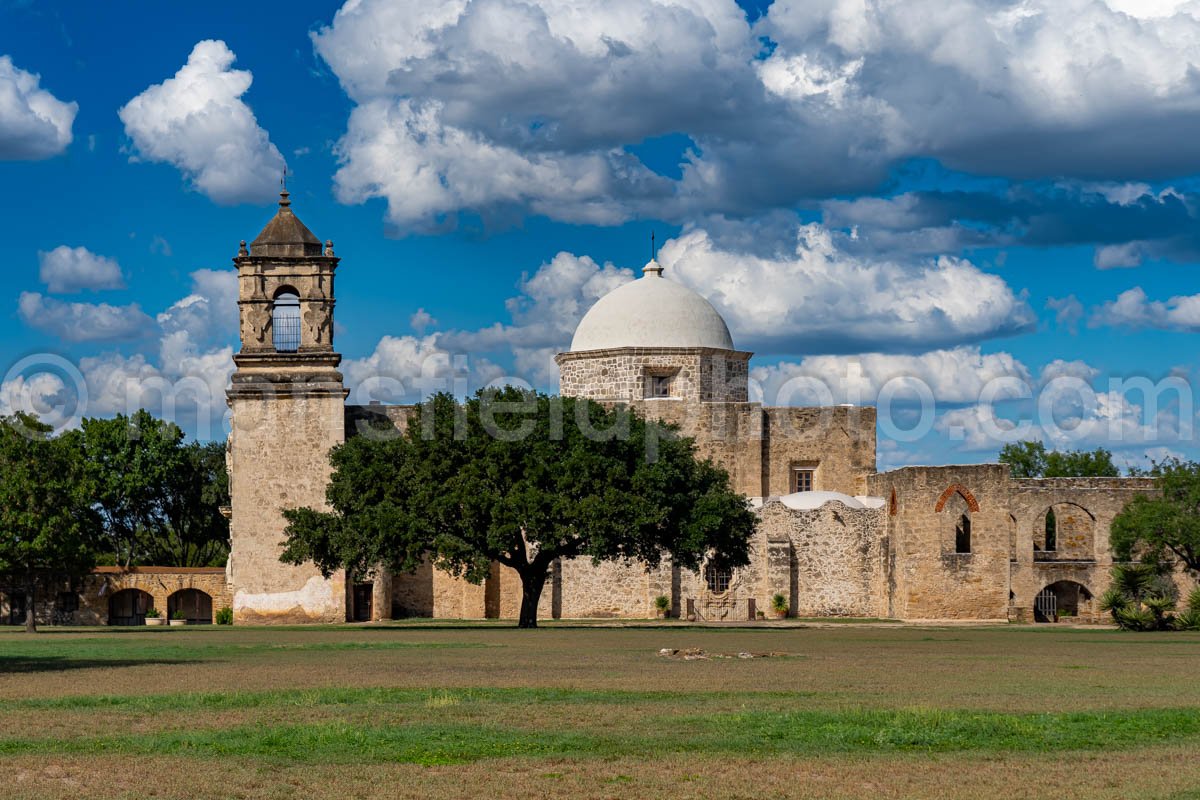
x,y
431,710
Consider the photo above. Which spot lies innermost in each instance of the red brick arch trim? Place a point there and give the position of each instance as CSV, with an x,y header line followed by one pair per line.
x,y
972,503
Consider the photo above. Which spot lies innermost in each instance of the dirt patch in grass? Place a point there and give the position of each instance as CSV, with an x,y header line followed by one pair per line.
x,y
1153,773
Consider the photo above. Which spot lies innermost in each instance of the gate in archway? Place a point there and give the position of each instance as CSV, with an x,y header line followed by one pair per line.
x,y
1046,606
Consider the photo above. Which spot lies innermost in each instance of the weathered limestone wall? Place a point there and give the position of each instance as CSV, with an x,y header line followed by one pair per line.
x,y
698,374
929,580
1084,510
159,582
838,441
430,592
728,433
611,589
279,458
94,591
834,559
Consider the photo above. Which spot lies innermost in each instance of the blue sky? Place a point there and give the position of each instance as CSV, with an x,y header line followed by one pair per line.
x,y
952,194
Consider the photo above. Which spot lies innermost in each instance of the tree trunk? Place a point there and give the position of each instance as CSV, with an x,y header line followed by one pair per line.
x,y
30,621
532,583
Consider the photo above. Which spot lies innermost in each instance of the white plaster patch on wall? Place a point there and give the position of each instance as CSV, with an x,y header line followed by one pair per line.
x,y
315,596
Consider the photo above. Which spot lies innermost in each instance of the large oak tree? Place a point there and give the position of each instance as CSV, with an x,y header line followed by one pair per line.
x,y
48,527
159,496
521,479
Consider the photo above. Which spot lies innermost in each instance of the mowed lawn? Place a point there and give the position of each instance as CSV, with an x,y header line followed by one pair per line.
x,y
449,710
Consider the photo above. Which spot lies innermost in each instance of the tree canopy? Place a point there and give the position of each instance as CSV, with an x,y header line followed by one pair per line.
x,y
521,479
47,523
159,496
1031,459
1166,525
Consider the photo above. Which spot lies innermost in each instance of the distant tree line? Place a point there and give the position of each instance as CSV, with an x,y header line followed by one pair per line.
x,y
127,491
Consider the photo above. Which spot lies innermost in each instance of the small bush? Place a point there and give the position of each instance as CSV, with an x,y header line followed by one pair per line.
x,y
779,604
1188,620
662,603
225,616
153,613
179,615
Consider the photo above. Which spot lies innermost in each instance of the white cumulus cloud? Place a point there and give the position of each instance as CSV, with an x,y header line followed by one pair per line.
x,y
198,122
1133,309
819,299
34,124
73,269
510,107
83,322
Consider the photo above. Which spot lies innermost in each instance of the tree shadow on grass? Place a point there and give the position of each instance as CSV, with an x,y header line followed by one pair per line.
x,y
30,664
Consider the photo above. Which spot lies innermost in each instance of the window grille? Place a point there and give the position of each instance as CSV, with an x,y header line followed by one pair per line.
x,y
285,323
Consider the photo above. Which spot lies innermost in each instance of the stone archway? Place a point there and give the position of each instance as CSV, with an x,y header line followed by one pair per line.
x,y
1061,599
195,604
129,607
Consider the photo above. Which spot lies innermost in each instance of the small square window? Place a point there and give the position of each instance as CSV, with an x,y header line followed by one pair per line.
x,y
802,479
658,385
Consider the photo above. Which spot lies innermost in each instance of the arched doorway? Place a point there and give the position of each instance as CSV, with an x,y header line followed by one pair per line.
x,y
1062,599
195,604
129,607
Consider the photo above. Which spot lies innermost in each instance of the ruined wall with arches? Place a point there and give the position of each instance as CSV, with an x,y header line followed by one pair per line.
x,y
1071,547
948,539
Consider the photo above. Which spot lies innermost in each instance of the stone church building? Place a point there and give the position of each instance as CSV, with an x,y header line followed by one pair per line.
x,y
835,536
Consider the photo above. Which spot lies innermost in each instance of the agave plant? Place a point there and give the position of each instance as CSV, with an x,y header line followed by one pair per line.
x,y
1139,600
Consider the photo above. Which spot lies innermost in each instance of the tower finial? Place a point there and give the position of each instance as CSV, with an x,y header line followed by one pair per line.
x,y
652,266
284,197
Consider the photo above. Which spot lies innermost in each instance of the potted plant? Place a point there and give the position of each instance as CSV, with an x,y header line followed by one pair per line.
x,y
154,617
779,605
662,604
178,618
225,616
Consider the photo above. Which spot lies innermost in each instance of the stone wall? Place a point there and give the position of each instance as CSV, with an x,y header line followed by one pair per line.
x,y
833,559
697,374
1084,508
95,590
928,579
837,441
279,458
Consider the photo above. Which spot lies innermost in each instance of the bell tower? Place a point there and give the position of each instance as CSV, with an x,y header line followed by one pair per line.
x,y
287,407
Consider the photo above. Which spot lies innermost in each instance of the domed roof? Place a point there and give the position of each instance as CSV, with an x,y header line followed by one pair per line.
x,y
651,312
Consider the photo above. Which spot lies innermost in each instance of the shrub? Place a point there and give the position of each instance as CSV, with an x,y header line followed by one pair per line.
x,y
663,604
179,614
225,616
153,613
1140,599
779,604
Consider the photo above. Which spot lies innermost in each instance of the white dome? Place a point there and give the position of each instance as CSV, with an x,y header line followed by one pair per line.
x,y
651,312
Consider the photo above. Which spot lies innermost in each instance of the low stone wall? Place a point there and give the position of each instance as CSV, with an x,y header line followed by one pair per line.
x,y
95,591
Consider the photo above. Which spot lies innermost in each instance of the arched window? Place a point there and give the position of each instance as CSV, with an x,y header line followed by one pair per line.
x,y
1051,531
962,535
285,321
717,578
